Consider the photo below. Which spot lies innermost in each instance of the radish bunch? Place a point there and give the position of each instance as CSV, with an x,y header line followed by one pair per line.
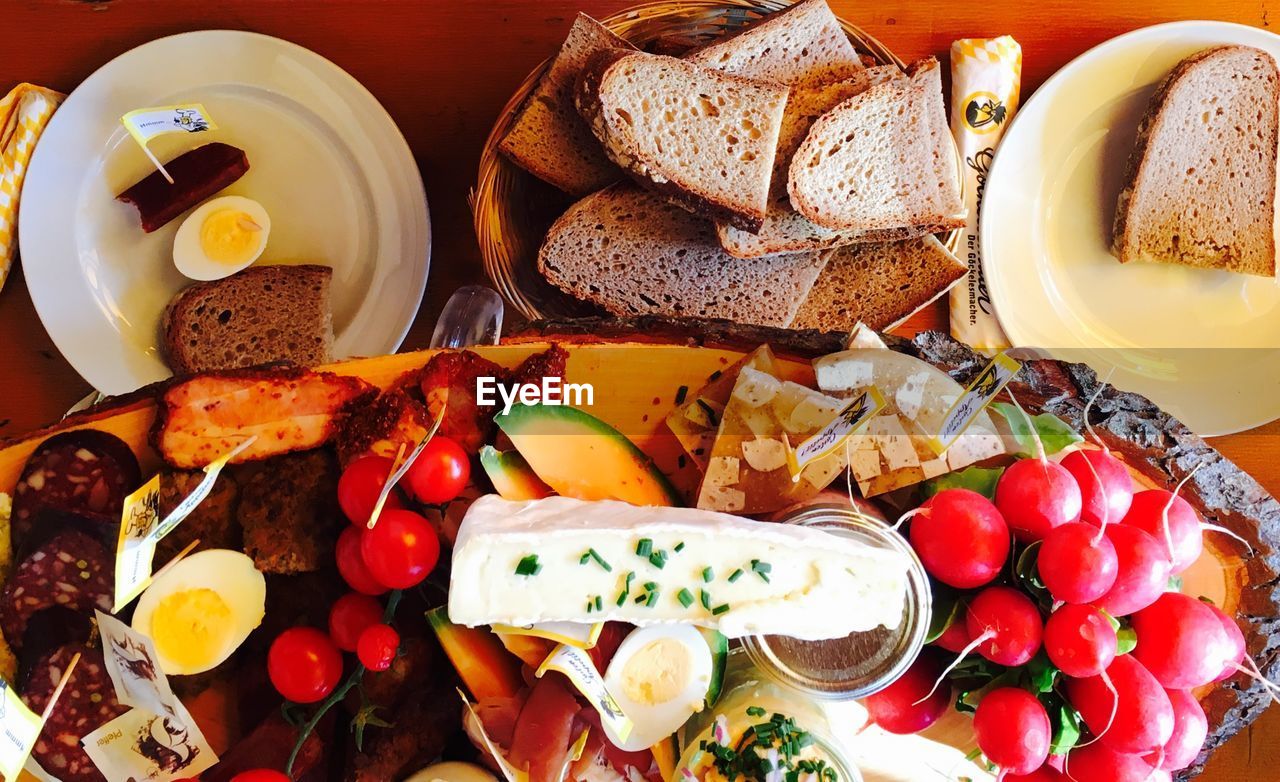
x,y
1062,635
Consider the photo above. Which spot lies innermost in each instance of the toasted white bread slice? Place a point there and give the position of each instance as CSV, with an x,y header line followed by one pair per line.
x,y
1200,187
880,160
879,284
631,252
549,138
703,138
801,44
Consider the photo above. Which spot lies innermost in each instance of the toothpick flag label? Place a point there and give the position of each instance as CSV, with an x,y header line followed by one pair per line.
x,y
146,124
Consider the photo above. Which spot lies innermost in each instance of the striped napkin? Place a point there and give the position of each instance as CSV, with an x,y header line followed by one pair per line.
x,y
24,112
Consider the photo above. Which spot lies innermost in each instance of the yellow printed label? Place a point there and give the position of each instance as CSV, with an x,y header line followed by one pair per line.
x,y
146,124
141,527
980,393
578,669
19,729
583,636
852,417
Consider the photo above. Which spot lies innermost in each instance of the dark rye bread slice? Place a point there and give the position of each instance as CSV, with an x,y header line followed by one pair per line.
x,y
882,159
879,284
631,252
549,139
261,315
704,139
1200,186
801,44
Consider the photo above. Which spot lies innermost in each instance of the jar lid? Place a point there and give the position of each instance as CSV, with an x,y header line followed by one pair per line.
x,y
862,663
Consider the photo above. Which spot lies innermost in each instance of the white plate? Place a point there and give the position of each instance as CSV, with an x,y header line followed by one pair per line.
x,y
325,159
1203,344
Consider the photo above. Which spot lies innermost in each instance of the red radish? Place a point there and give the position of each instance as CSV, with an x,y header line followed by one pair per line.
x,y
955,638
1080,641
1042,774
1036,495
1180,641
960,537
908,705
1099,763
1181,535
1012,729
1077,564
1133,716
1106,488
1143,573
1235,638
1190,728
1005,625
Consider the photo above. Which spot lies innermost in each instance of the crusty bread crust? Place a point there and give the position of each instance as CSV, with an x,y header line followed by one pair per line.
x,y
1124,234
643,170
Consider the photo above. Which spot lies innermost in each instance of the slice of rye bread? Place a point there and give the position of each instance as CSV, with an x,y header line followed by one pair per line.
x,y
704,139
784,229
1200,186
261,315
801,44
631,252
880,160
549,138
879,284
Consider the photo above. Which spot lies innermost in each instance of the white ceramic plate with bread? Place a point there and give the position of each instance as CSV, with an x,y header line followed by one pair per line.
x,y
325,159
1203,343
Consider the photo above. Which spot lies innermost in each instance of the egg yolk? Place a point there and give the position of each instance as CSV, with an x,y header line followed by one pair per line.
x,y
229,236
192,627
658,672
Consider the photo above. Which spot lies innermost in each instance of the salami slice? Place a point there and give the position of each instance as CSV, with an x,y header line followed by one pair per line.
x,y
87,703
70,569
83,471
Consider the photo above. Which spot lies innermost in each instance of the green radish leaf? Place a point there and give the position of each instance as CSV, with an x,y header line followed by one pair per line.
x,y
1126,640
979,479
1065,724
1115,623
1175,584
947,609
1054,433
1041,674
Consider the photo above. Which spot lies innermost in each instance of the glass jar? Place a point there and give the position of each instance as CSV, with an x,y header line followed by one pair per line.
x,y
862,663
745,687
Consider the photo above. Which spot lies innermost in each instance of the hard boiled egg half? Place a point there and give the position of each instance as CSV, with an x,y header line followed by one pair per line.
x,y
221,237
199,611
659,676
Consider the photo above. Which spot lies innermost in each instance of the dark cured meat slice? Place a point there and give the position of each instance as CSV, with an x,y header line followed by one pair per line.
x,y
450,379
87,703
71,569
84,471
197,174
268,746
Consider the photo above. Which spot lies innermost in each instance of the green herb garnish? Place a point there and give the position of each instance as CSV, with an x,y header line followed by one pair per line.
x,y
755,711
720,609
678,547
685,597
735,575
704,597
593,554
529,566
761,569
708,574
658,559
626,587
644,548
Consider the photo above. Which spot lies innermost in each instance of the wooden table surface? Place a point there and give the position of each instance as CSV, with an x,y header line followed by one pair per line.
x,y
443,69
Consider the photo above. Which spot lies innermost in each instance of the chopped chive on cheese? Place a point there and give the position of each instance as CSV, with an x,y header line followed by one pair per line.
x,y
704,597
685,597
653,598
599,603
681,393
735,575
640,598
658,559
584,559
708,574
678,547
529,566
592,554
649,586
626,588
644,548
720,609
761,569
755,711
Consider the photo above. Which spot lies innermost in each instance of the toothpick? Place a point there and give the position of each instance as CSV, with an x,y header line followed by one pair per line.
x,y
156,162
57,691
399,468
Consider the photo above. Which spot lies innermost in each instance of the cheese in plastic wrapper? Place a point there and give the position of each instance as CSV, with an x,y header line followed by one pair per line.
x,y
986,77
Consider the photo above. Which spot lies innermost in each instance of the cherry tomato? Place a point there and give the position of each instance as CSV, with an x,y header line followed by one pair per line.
x,y
351,563
440,472
304,665
349,616
359,487
377,647
401,550
261,775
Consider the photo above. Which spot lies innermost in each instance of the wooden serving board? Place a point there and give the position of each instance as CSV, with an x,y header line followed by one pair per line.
x,y
638,367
